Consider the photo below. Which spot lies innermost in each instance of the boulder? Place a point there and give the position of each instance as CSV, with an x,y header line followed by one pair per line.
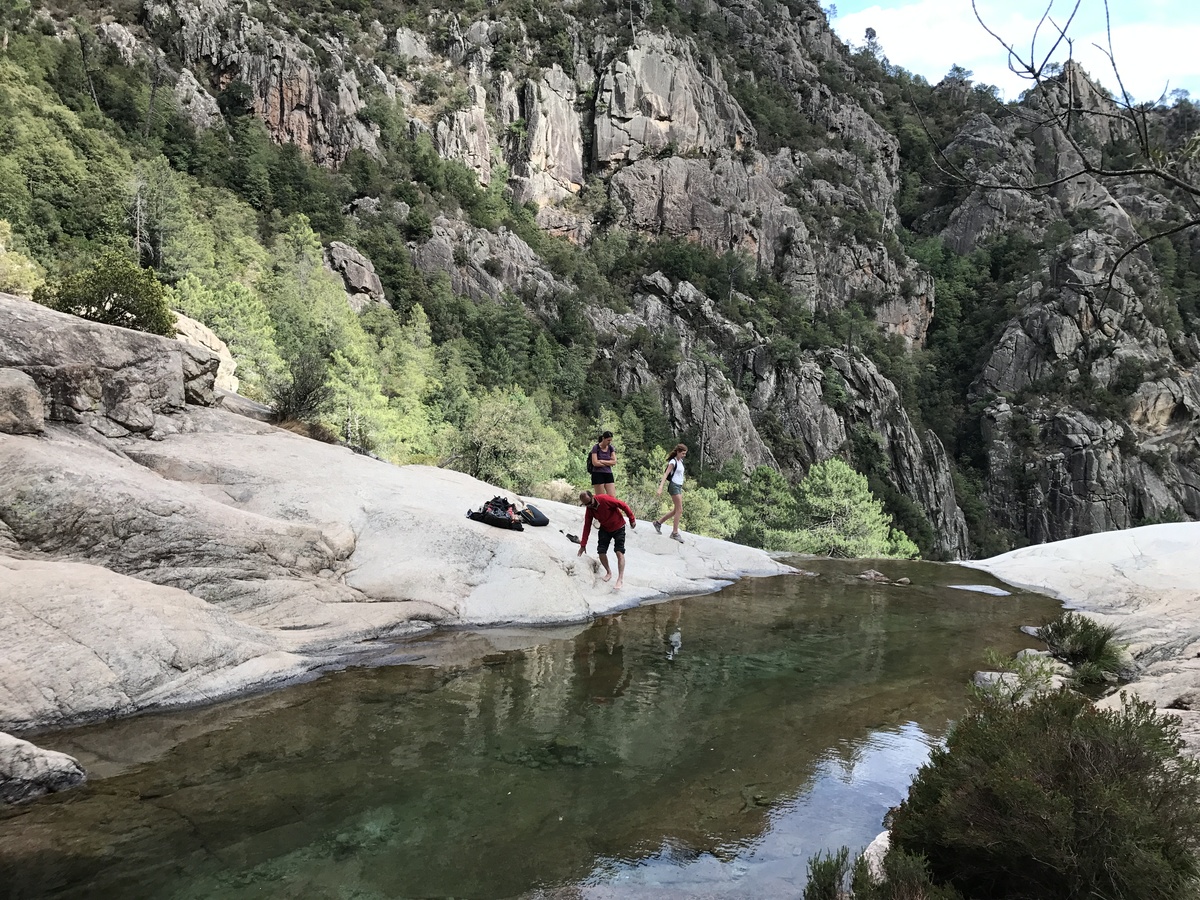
x,y
197,334
115,380
217,560
357,273
21,407
28,772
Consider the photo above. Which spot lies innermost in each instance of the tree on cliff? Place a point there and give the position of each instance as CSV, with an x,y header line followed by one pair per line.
x,y
114,291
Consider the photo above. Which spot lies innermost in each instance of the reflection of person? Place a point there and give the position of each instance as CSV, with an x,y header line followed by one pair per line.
x,y
600,673
670,632
610,514
673,478
604,457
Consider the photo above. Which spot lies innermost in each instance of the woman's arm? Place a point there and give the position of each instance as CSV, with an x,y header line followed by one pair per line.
x,y
666,473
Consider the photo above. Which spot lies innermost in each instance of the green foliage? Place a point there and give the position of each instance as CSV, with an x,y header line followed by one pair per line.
x,y
303,394
1024,677
1055,798
114,291
18,273
707,512
840,518
828,875
1084,644
507,442
767,504
238,316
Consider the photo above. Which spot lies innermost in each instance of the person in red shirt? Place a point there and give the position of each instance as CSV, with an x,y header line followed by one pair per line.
x,y
610,514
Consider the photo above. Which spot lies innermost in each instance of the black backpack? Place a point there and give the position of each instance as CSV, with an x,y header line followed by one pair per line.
x,y
499,512
590,468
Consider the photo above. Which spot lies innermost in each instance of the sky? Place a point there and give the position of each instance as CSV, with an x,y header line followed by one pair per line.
x,y
1156,43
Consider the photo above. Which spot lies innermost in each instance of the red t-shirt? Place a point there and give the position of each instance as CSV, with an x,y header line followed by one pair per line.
x,y
607,515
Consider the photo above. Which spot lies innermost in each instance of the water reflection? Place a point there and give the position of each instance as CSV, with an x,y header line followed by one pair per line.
x,y
842,804
607,761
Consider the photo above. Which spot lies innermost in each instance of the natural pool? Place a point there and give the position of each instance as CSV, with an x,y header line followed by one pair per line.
x,y
699,747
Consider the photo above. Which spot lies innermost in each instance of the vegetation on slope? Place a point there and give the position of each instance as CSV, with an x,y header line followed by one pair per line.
x,y
93,185
94,159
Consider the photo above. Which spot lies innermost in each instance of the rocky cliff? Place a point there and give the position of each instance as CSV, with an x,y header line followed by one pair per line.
x,y
1091,418
747,127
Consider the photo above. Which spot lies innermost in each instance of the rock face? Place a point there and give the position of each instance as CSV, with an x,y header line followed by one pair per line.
x,y
483,264
115,380
357,273
549,154
655,97
197,105
791,396
1057,471
1090,405
645,131
279,73
21,407
28,772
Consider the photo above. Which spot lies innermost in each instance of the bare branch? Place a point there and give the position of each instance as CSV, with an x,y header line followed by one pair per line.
x,y
1138,245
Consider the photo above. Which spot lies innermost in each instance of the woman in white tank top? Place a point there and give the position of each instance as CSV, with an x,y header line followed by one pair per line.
x,y
673,476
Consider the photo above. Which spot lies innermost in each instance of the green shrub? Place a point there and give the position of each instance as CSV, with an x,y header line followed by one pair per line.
x,y
304,394
827,873
1084,644
1057,799
906,877
114,291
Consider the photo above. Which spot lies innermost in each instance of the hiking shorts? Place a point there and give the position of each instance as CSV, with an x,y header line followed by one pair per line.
x,y
602,478
616,537
674,489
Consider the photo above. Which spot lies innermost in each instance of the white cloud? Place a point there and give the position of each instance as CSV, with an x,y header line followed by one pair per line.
x,y
929,36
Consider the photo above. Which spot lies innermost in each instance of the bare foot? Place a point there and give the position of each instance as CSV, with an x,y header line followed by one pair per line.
x,y
617,586
608,575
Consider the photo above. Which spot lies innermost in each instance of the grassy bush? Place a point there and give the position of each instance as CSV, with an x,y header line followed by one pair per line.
x,y
905,877
114,291
1056,799
1084,644
827,875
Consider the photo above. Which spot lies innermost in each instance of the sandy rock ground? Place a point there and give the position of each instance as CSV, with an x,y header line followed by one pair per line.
x,y
1146,581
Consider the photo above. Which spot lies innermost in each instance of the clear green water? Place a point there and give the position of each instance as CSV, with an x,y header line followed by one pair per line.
x,y
604,761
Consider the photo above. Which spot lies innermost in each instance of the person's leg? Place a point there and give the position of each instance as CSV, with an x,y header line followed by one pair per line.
x,y
678,514
610,489
620,570
602,542
604,562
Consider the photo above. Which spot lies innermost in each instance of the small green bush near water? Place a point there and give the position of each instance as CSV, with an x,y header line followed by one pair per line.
x,y
1051,799
1058,799
906,877
1086,645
